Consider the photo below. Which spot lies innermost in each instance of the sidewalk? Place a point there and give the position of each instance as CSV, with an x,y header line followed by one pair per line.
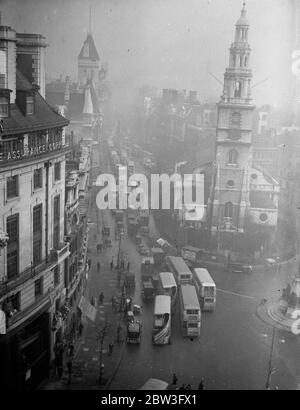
x,y
86,362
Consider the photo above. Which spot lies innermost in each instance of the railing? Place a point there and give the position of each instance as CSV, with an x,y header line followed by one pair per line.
x,y
13,320
10,284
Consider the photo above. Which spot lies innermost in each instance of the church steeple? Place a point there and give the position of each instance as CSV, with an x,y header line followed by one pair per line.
x,y
238,75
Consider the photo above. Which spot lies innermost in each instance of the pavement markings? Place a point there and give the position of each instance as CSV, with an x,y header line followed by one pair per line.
x,y
86,349
236,294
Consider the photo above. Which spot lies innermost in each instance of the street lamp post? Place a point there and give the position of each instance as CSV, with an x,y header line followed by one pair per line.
x,y
270,368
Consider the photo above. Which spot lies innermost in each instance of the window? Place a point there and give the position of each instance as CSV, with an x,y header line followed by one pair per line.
x,y
192,312
263,217
12,229
37,234
230,183
38,178
12,187
3,107
238,89
228,212
29,105
57,171
236,120
38,287
56,275
233,157
56,221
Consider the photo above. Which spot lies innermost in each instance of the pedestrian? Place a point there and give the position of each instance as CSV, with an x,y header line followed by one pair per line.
x,y
128,266
60,368
92,301
110,348
71,349
188,387
90,263
174,379
70,366
122,264
98,266
112,264
201,385
80,329
101,298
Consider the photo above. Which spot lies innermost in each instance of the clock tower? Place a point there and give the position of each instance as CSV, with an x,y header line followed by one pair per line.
x,y
229,197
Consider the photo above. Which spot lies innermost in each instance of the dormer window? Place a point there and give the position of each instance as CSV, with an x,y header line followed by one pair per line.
x,y
4,107
29,104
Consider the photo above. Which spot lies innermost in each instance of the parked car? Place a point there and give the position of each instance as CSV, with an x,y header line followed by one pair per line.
x,y
239,267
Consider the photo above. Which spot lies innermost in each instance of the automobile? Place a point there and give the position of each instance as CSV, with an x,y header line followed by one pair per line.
x,y
143,250
239,267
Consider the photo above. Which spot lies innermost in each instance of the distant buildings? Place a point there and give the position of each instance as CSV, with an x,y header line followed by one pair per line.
x,y
240,170
82,102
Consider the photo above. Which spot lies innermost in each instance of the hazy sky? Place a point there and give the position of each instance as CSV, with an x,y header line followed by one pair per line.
x,y
164,43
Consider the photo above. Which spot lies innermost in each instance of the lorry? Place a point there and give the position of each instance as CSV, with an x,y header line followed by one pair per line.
x,y
134,332
158,257
148,290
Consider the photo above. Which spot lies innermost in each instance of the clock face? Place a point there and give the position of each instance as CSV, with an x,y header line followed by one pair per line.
x,y
234,134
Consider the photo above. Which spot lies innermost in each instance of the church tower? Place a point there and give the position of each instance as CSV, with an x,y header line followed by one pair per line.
x,y
229,197
88,61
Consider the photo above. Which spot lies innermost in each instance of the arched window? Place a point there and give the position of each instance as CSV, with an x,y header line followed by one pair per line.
x,y
236,120
228,210
233,157
238,89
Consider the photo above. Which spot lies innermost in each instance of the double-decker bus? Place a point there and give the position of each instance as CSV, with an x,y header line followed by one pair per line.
x,y
179,268
190,311
168,286
161,333
206,289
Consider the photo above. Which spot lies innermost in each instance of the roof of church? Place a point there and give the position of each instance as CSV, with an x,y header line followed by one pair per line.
x,y
92,50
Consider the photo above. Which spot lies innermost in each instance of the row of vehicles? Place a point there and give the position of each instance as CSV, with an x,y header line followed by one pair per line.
x,y
195,292
194,256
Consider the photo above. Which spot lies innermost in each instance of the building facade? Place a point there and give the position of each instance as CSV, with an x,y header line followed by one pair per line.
x,y
32,197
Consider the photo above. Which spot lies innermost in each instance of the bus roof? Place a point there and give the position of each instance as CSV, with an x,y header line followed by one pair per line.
x,y
204,277
189,297
162,305
167,279
155,384
179,264
157,250
191,248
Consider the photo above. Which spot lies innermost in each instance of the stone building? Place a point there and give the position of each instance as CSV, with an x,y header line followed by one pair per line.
x,y
32,196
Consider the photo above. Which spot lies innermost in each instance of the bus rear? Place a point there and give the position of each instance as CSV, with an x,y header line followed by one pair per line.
x,y
206,289
190,311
